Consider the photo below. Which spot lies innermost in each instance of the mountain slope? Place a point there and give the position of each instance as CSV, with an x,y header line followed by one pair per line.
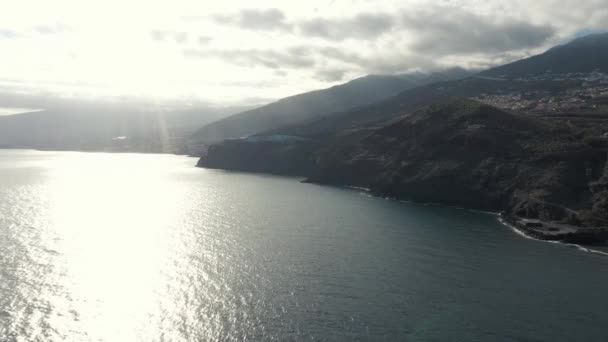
x,y
545,166
590,51
366,100
457,152
583,55
306,106
410,100
462,152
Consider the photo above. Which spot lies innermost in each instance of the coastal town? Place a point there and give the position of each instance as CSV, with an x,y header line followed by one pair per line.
x,y
589,93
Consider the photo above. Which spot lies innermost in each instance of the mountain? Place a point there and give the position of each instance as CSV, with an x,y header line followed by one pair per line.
x,y
456,151
100,126
576,101
518,84
583,55
409,100
549,176
533,147
313,104
376,98
461,152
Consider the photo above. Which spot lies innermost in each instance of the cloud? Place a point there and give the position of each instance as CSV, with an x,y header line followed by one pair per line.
x,y
420,39
50,29
361,26
330,75
463,32
177,37
388,39
568,16
296,58
256,19
180,37
204,40
158,36
379,62
5,33
328,63
435,29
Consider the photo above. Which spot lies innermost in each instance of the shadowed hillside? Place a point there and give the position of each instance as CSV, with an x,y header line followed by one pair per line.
x,y
314,104
583,55
458,152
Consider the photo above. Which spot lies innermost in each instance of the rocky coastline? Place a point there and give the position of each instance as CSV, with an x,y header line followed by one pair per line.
x,y
558,232
550,178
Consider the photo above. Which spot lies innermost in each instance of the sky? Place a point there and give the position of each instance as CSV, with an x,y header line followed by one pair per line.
x,y
246,52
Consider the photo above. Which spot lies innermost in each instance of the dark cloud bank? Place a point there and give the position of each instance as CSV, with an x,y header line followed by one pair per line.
x,y
430,33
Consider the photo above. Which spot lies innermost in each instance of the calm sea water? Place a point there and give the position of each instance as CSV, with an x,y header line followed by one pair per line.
x,y
127,247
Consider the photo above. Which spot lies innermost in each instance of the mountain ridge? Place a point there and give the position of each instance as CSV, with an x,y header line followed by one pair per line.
x,y
543,163
472,86
293,109
582,55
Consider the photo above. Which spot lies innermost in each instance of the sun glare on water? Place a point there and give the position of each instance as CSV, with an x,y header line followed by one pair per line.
x,y
113,224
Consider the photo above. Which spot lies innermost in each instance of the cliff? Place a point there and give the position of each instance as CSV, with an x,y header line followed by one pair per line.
x,y
534,146
457,152
260,156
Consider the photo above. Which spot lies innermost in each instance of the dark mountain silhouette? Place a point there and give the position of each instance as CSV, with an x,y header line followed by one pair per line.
x,y
314,104
583,55
457,152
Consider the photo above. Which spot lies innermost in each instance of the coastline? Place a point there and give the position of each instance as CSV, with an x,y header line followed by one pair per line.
x,y
572,236
523,234
499,216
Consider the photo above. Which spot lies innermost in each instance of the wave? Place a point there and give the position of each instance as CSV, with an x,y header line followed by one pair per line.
x,y
367,193
523,234
358,188
484,212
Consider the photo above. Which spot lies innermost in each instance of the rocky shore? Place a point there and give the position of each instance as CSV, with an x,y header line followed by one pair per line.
x,y
550,177
552,231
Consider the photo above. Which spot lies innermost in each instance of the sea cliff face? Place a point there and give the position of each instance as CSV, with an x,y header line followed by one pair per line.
x,y
458,152
275,157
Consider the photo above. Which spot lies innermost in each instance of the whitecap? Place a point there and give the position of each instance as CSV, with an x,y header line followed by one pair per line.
x,y
577,246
